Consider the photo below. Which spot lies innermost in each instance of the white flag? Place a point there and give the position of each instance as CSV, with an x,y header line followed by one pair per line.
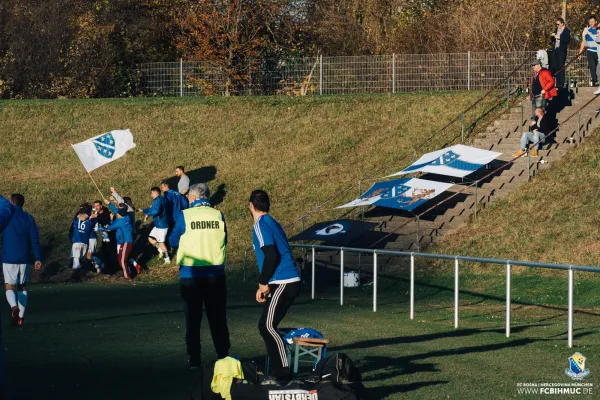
x,y
100,150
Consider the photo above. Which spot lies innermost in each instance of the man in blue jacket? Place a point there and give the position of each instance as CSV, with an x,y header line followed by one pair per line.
x,y
122,225
158,234
175,203
19,239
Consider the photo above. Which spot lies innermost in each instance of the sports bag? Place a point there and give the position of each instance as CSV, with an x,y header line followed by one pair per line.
x,y
337,368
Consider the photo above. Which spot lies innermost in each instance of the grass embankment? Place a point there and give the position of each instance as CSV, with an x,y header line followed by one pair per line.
x,y
301,150
555,218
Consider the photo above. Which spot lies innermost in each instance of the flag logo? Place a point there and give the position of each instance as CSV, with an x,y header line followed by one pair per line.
x,y
105,145
332,229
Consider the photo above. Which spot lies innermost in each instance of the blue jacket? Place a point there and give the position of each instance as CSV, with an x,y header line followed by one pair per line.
x,y
20,237
158,212
130,215
6,212
175,203
123,228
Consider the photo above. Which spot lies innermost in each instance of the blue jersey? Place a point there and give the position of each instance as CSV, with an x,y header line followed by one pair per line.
x,y
82,230
590,40
175,203
267,232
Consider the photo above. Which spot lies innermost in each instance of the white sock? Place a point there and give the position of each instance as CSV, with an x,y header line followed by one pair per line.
x,y
22,302
11,297
159,249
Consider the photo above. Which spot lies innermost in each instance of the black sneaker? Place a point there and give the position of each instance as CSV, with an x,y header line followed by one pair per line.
x,y
195,363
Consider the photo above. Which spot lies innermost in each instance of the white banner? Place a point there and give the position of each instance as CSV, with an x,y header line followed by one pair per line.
x,y
102,149
458,161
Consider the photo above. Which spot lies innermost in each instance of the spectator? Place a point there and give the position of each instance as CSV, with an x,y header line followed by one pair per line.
x,y
128,203
124,236
184,182
561,38
540,129
542,87
589,41
109,247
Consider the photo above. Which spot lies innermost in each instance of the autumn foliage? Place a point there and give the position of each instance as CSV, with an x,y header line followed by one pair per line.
x,y
74,48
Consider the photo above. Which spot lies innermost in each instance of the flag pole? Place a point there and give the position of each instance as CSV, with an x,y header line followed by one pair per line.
x,y
90,175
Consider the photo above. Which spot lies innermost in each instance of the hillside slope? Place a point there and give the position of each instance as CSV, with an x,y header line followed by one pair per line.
x,y
555,218
300,150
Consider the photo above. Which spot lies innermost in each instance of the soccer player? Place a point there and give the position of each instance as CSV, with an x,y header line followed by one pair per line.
x,y
158,234
278,283
184,181
6,213
83,229
124,230
19,239
200,235
128,203
175,203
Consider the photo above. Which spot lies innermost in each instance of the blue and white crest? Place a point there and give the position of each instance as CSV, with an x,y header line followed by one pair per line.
x,y
105,145
577,370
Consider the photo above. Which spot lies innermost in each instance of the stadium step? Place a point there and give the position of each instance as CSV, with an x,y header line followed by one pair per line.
x,y
400,232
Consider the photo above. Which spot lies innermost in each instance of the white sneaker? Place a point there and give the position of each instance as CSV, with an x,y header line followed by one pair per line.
x,y
597,92
167,261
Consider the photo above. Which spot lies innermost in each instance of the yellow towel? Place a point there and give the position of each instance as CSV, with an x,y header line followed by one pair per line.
x,y
225,370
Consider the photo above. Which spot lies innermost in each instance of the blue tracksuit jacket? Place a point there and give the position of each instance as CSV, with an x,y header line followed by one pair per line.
x,y
20,237
159,213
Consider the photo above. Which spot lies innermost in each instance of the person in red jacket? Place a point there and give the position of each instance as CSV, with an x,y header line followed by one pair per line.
x,y
542,87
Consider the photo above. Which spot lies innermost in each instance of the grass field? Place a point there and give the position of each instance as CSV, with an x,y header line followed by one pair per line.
x,y
98,341
301,150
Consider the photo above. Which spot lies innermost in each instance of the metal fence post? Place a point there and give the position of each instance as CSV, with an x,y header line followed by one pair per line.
x,y
342,277
250,76
476,198
181,77
394,73
412,286
418,239
312,278
469,70
522,116
456,292
321,74
507,299
374,281
578,128
570,308
528,167
462,128
508,94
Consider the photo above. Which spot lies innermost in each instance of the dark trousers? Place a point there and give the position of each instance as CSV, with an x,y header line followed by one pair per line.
x,y
558,67
277,305
210,292
109,253
593,64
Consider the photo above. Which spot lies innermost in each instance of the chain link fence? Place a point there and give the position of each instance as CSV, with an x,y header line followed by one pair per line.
x,y
346,75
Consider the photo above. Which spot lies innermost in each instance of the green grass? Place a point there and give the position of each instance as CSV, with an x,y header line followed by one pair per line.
x,y
98,341
301,150
555,218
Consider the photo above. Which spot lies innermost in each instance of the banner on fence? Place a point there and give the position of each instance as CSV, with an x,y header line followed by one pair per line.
x,y
458,161
338,232
403,194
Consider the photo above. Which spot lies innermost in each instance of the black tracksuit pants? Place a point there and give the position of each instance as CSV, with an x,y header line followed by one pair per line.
x,y
559,58
592,57
210,292
278,303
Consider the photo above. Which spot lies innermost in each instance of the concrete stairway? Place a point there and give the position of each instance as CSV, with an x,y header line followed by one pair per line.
x,y
401,231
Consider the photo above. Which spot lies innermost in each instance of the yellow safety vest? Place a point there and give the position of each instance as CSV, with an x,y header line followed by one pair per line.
x,y
203,243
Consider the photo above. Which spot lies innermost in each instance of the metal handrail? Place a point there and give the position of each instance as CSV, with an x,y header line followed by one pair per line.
x,y
412,255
